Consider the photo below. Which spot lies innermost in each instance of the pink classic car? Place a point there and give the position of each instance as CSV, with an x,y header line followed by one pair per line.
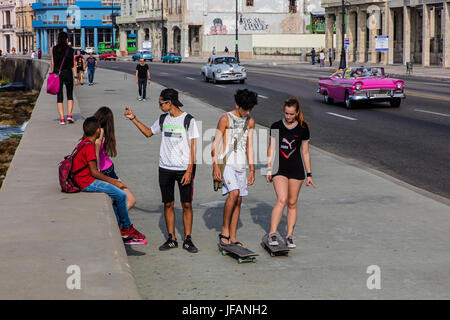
x,y
362,84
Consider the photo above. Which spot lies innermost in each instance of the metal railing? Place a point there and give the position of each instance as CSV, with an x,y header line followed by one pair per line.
x,y
7,26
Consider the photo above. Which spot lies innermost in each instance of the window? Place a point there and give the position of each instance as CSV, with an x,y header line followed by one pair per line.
x,y
250,3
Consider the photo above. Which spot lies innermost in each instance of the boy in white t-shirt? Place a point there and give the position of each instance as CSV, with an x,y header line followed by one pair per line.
x,y
176,162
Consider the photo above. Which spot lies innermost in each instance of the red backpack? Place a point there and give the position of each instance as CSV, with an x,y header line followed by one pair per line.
x,y
66,176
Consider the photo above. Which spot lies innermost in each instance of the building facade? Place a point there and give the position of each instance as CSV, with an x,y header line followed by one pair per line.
x,y
24,29
418,30
193,27
88,22
8,38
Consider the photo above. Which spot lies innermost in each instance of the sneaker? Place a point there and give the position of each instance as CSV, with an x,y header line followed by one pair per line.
x,y
290,243
273,241
169,244
62,121
70,118
139,98
131,233
143,99
189,245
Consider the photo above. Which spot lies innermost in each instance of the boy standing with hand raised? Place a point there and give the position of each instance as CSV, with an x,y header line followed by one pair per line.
x,y
176,162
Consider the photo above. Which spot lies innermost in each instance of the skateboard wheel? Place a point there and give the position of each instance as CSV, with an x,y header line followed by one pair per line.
x,y
223,252
272,254
254,260
239,260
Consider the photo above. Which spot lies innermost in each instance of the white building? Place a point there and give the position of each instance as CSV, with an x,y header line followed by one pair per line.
x,y
8,38
194,27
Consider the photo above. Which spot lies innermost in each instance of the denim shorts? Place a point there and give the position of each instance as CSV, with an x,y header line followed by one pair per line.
x,y
110,172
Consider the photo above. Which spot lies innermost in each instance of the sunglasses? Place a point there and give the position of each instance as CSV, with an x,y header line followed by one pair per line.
x,y
163,102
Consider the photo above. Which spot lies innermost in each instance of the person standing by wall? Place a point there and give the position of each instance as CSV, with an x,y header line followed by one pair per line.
x,y
214,51
39,53
330,56
322,58
313,56
62,58
142,76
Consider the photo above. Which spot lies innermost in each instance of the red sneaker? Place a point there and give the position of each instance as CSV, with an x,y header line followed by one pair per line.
x,y
70,118
132,234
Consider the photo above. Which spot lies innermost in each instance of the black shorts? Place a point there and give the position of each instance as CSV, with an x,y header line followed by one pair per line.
x,y
80,69
298,175
167,180
110,172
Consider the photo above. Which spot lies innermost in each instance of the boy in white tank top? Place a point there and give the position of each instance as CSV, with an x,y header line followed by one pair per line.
x,y
233,126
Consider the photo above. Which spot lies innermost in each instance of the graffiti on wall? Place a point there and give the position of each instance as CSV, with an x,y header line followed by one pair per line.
x,y
218,27
255,24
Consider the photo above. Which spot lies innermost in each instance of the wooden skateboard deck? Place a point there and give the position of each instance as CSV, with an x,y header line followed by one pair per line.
x,y
238,252
280,250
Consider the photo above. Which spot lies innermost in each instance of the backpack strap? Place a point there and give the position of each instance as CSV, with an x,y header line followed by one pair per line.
x,y
74,154
187,121
161,120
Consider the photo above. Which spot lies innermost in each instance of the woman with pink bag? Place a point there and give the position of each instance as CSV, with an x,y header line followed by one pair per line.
x,y
63,64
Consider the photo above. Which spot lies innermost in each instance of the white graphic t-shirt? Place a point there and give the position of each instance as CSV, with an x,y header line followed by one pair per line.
x,y
175,147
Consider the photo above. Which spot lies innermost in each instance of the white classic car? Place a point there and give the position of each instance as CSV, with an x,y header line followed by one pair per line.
x,y
223,68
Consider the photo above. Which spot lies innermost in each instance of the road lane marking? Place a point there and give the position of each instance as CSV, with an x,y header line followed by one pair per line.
x,y
218,85
190,78
164,73
341,116
264,97
437,113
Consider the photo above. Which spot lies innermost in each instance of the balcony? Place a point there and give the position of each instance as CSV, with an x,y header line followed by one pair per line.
x,y
8,26
150,15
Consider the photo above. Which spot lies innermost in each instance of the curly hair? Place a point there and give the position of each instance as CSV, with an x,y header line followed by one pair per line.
x,y
246,99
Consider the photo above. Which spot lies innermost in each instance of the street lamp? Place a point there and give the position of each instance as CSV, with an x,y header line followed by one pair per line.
x,y
23,29
162,28
113,43
343,63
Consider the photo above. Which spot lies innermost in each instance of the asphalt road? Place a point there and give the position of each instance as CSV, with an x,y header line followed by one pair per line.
x,y
410,143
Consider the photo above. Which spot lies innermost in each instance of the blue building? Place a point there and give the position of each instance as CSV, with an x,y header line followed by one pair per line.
x,y
87,22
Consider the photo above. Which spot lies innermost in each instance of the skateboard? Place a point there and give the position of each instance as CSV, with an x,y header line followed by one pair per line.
x,y
241,254
132,242
280,250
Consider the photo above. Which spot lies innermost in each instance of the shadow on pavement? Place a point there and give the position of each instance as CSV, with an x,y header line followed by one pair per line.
x,y
213,218
261,215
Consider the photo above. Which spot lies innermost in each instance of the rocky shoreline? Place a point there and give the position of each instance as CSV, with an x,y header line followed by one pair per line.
x,y
15,109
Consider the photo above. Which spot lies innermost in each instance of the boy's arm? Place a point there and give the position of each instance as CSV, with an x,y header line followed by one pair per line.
x,y
220,131
187,177
98,175
250,152
146,131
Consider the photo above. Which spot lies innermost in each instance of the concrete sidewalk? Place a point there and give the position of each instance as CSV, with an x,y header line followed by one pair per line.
x,y
355,218
44,232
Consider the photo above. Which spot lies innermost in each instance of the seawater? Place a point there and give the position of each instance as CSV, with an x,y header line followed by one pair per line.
x,y
6,130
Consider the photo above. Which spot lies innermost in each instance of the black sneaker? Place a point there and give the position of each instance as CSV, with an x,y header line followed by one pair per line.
x,y
189,246
169,244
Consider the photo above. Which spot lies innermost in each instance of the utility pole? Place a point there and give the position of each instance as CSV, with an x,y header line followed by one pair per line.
x,y
343,63
237,35
113,42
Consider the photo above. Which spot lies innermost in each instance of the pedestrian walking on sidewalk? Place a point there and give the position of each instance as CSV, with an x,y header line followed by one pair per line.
x,y
226,50
290,135
39,53
62,59
89,179
91,66
330,56
79,61
105,147
142,77
176,162
235,130
313,56
214,51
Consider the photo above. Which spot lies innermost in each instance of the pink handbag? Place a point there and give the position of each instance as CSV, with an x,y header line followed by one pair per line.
x,y
53,81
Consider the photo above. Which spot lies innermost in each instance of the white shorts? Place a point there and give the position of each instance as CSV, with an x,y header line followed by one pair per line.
x,y
234,180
